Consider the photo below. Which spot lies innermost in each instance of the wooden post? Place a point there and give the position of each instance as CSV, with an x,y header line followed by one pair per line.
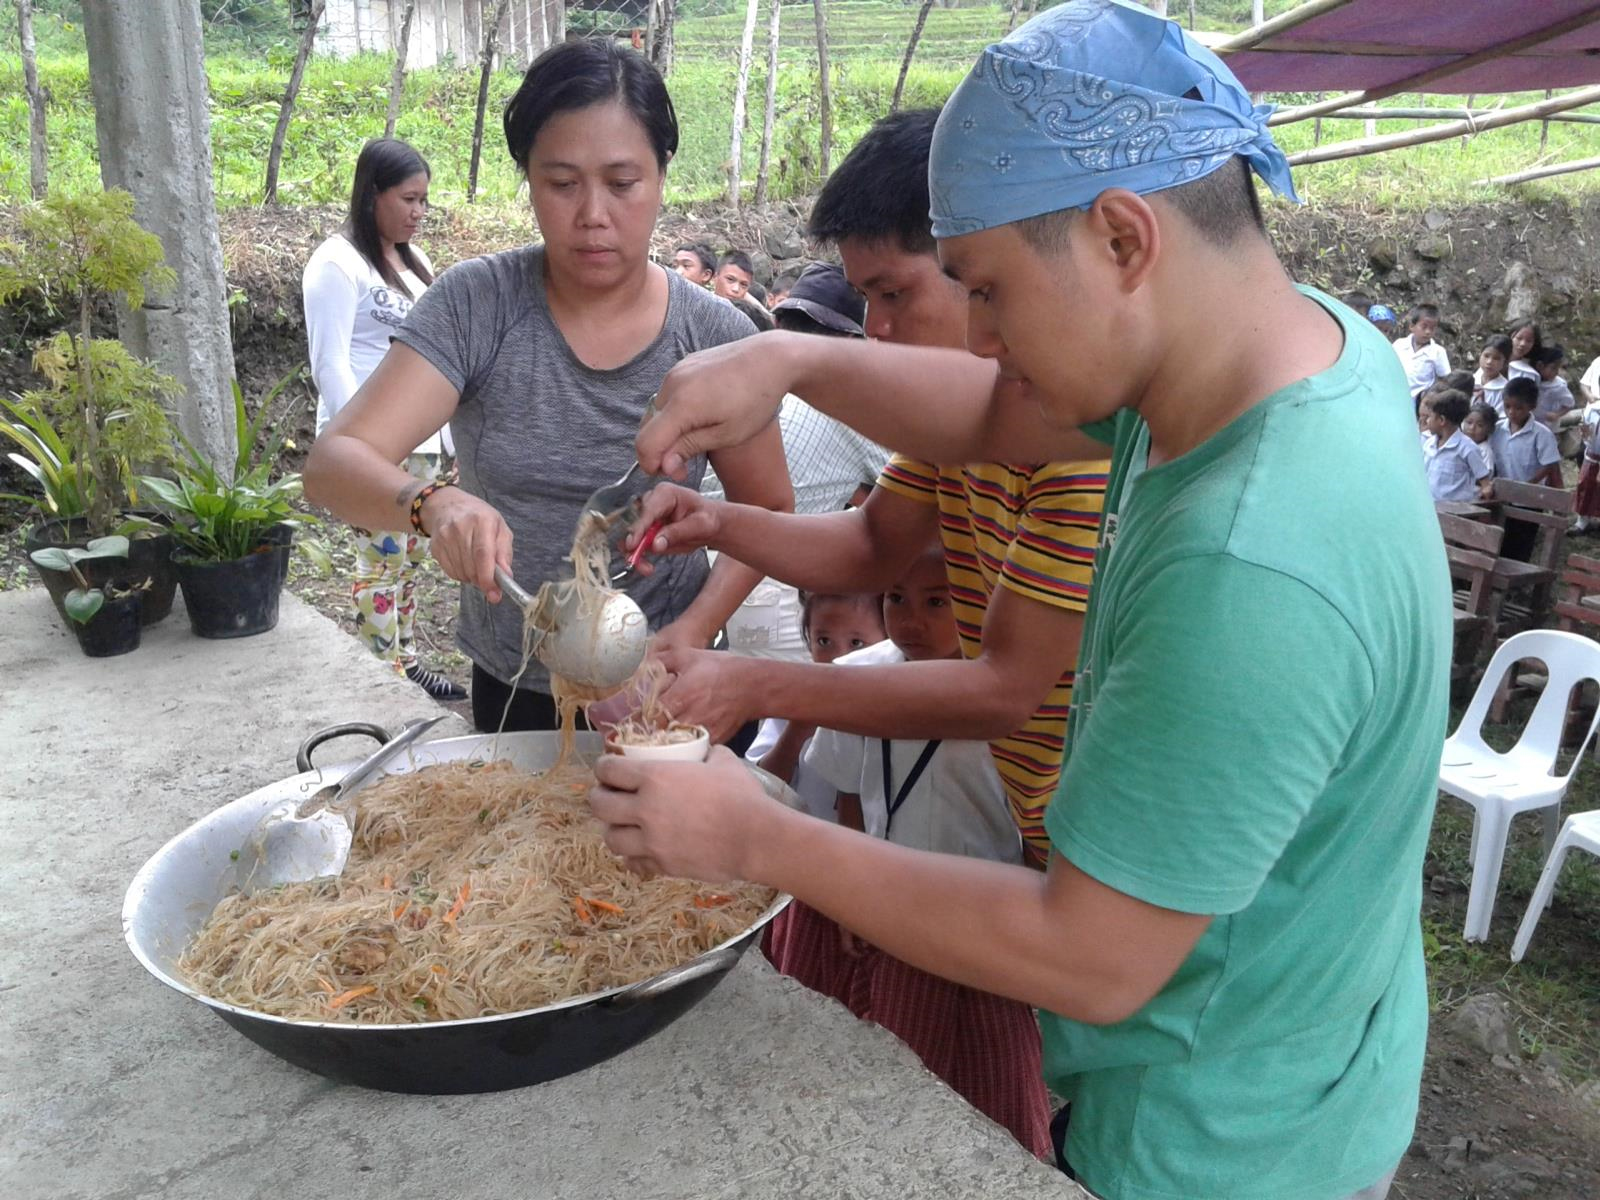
x,y
1544,125
286,109
38,161
911,49
821,12
770,114
741,89
490,35
397,77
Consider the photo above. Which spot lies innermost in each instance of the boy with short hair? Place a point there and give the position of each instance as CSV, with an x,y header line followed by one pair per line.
x,y
1555,397
1227,944
1524,448
695,261
1423,358
779,291
734,274
1457,469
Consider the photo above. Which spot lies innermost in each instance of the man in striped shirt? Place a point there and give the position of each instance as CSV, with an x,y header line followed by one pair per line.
x,y
1019,538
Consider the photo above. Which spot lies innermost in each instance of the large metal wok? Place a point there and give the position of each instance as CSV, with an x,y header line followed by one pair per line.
x,y
175,891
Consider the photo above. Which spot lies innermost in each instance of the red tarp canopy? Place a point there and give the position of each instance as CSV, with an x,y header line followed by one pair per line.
x,y
1368,44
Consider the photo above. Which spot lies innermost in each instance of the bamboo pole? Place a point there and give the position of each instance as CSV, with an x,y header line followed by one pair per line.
x,y
741,90
1582,164
1438,114
1414,83
1279,24
1434,133
911,49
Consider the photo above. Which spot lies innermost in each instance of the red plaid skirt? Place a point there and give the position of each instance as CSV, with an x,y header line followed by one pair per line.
x,y
984,1046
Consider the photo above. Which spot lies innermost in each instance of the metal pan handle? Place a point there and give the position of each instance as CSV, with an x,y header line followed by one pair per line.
x,y
713,963
302,757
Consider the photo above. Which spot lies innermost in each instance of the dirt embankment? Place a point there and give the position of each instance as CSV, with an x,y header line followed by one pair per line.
x,y
1486,266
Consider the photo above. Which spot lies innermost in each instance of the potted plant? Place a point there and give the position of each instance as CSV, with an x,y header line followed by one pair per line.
x,y
104,618
232,532
102,413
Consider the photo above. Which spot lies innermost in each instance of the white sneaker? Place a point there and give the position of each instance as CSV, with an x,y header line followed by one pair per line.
x,y
1580,525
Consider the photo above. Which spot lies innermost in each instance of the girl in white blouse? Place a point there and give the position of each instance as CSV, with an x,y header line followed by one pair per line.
x,y
358,287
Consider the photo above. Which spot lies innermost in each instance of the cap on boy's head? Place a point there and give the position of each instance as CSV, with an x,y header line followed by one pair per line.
x,y
822,294
1380,312
1093,94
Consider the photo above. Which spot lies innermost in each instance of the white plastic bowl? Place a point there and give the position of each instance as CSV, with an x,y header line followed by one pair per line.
x,y
695,751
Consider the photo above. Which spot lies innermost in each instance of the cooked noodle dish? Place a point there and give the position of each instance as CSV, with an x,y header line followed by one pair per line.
x,y
472,889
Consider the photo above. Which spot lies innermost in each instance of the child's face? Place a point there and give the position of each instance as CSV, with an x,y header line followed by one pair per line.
x,y
1521,342
1549,370
1517,412
1435,424
917,615
1423,329
1492,363
1476,428
687,263
731,283
840,624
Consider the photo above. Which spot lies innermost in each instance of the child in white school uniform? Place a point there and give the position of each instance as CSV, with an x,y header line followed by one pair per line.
x,y
833,626
932,795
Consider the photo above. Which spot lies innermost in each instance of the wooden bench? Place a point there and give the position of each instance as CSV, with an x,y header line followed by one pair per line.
x,y
1473,548
1529,586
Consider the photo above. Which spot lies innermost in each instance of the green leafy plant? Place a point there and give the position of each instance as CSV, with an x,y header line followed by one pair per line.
x,y
222,516
44,456
104,409
83,601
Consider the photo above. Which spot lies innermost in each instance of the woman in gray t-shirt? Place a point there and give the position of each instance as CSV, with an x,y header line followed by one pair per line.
x,y
542,360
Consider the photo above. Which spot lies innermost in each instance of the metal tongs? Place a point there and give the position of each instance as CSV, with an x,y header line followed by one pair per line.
x,y
614,506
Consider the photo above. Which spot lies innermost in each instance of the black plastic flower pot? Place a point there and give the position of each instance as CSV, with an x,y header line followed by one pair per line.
x,y
237,598
114,630
148,558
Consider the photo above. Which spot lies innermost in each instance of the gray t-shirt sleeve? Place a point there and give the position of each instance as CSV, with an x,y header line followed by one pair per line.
x,y
448,323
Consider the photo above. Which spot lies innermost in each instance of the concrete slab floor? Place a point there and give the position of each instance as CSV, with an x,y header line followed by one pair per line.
x,y
112,1087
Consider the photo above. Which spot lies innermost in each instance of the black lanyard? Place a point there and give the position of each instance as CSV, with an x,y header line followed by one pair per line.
x,y
893,799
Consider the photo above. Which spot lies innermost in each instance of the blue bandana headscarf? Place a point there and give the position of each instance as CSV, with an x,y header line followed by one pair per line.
x,y
1051,117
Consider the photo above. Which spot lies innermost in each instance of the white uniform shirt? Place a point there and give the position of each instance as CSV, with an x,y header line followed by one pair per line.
x,y
351,311
1523,453
1494,390
1455,467
1521,367
827,461
957,805
1423,364
820,796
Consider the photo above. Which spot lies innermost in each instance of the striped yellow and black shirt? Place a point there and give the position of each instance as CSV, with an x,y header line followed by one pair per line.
x,y
1033,529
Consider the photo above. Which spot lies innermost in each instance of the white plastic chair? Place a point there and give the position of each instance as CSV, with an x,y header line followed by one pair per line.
x,y
1582,830
1499,786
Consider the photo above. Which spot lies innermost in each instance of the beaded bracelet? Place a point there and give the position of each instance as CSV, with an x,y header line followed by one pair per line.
x,y
421,498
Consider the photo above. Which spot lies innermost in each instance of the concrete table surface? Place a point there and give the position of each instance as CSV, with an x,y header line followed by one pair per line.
x,y
113,1087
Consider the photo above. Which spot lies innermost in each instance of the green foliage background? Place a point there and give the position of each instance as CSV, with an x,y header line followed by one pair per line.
x,y
251,47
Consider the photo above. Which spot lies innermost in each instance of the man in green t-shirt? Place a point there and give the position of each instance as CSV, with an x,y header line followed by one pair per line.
x,y
1226,946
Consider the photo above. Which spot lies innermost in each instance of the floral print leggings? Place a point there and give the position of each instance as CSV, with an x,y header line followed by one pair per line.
x,y
384,592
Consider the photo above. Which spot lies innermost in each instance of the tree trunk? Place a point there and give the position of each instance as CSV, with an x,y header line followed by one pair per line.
x,y
768,117
911,49
1159,6
397,78
666,17
286,109
153,133
38,170
490,35
1258,12
825,100
741,89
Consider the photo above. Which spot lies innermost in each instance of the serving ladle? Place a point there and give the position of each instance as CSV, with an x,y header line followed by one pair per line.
x,y
598,651
301,840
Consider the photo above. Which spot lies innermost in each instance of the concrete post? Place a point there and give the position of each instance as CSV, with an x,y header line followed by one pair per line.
x,y
147,69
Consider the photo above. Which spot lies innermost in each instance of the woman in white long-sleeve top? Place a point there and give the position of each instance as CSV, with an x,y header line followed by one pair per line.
x,y
358,287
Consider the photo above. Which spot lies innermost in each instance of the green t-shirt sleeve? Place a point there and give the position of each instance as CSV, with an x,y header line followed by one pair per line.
x,y
1229,694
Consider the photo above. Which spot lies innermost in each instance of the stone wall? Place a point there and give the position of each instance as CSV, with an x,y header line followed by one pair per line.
x,y
1487,267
